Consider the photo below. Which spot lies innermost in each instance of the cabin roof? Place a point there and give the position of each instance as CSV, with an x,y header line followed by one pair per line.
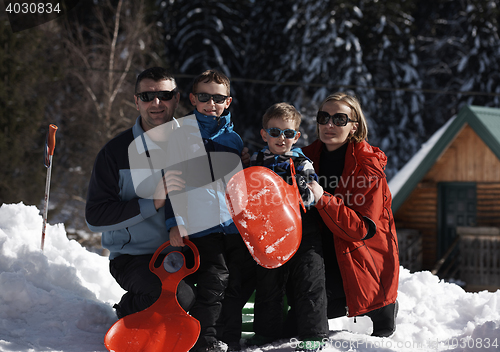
x,y
483,120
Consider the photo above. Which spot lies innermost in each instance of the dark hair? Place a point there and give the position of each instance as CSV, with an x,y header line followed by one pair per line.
x,y
212,76
156,74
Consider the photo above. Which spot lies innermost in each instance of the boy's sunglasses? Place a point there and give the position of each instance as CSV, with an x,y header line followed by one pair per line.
x,y
276,132
164,95
204,97
338,119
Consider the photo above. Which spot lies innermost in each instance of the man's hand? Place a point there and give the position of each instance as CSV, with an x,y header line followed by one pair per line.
x,y
245,157
177,234
169,182
316,189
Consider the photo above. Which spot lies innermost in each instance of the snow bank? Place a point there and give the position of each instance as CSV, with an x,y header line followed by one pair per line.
x,y
56,300
61,300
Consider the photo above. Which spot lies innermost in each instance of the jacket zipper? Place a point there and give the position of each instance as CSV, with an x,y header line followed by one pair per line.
x,y
129,238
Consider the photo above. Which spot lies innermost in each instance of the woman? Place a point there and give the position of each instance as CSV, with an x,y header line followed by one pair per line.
x,y
353,199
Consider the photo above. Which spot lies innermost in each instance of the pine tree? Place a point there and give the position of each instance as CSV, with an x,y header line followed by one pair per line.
x,y
325,49
310,49
458,50
204,34
265,45
395,112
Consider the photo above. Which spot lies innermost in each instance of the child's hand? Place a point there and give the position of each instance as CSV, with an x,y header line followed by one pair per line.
x,y
169,182
245,156
316,189
177,234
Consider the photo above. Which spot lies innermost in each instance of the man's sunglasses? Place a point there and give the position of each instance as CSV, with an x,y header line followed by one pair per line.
x,y
338,119
218,98
164,95
276,132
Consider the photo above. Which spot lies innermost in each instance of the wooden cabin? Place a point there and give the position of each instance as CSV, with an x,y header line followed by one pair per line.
x,y
452,183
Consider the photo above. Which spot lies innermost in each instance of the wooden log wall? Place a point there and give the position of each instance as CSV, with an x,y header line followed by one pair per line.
x,y
420,212
488,204
467,159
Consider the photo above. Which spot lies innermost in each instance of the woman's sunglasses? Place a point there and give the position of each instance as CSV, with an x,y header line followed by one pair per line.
x,y
204,97
338,119
164,95
276,132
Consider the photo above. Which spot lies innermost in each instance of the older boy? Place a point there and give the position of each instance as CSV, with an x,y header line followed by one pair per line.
x,y
207,150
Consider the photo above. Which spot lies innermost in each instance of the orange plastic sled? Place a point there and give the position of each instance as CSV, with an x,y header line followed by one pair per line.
x,y
164,326
266,211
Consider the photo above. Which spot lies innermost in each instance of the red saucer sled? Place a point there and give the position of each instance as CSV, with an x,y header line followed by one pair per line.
x,y
164,326
266,211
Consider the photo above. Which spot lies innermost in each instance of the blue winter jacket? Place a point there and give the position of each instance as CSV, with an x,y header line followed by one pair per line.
x,y
208,152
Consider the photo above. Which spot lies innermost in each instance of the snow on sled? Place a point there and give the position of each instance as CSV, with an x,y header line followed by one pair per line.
x,y
266,211
164,326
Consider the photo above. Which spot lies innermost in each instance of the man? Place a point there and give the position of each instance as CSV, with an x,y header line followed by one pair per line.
x,y
133,227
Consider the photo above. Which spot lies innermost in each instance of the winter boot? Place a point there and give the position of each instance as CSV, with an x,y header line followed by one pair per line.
x,y
384,320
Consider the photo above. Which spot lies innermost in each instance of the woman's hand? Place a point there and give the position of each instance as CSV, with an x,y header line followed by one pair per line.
x,y
245,157
316,189
169,182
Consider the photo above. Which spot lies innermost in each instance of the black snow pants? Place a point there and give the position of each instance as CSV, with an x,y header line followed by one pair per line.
x,y
240,288
305,289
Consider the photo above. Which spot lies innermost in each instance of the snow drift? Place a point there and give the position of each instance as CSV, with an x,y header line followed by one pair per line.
x,y
61,300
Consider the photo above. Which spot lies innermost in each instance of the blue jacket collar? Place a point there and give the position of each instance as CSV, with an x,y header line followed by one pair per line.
x,y
211,126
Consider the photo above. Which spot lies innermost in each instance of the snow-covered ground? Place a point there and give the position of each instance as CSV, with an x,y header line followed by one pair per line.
x,y
61,300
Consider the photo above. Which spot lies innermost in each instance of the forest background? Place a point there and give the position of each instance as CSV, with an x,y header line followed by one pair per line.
x,y
412,63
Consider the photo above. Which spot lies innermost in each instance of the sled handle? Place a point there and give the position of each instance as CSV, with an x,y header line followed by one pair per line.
x,y
50,145
184,270
294,181
51,139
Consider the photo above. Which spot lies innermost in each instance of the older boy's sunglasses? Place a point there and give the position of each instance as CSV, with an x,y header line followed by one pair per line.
x,y
218,98
276,132
164,95
338,119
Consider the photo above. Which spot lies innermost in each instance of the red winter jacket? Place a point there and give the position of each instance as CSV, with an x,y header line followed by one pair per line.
x,y
361,220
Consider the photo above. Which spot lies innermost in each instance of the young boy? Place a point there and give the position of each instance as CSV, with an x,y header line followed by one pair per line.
x,y
205,149
281,131
303,274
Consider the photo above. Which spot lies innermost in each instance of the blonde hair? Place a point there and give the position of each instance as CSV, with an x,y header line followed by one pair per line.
x,y
283,111
352,102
